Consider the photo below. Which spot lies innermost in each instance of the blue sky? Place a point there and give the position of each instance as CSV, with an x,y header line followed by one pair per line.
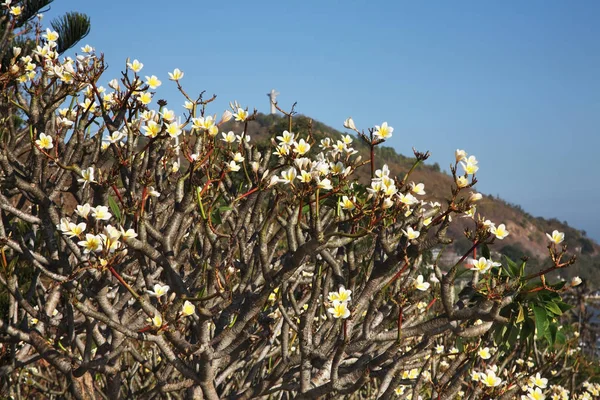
x,y
515,83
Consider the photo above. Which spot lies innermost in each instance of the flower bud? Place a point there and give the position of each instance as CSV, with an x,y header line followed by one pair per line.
x,y
114,84
226,116
461,182
475,197
576,281
349,123
16,51
460,155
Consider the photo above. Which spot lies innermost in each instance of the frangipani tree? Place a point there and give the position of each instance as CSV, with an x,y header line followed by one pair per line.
x,y
146,256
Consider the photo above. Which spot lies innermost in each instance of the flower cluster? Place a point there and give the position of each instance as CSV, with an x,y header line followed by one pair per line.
x,y
339,303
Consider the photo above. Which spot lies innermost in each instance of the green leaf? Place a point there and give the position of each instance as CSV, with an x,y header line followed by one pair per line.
x,y
560,338
485,251
512,267
555,309
499,334
512,337
114,207
564,307
522,271
215,218
551,333
541,320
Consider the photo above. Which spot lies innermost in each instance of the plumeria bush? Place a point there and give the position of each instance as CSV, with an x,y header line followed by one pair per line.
x,y
147,253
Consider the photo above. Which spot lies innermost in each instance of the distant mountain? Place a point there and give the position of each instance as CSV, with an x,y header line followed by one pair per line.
x,y
527,233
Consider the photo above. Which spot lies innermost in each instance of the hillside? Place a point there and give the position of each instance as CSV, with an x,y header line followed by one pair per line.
x,y
527,233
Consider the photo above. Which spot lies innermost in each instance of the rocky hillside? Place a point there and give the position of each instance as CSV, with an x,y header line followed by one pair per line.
x,y
527,233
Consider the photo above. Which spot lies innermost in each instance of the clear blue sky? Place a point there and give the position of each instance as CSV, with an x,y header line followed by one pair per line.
x,y
516,83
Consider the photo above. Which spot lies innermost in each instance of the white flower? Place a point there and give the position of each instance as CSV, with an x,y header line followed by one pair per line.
x,y
241,114
420,284
301,147
233,166
324,184
45,141
159,290
288,176
228,137
500,232
173,129
188,309
339,310
349,124
153,192
87,175
347,203
92,243
128,234
237,157
490,379
411,233
75,229
482,265
407,199
475,197
536,394
176,75
157,321
576,281
83,210
101,213
115,136
383,132
460,155
418,188
556,237
343,295
538,381
153,81
484,353
135,66
462,182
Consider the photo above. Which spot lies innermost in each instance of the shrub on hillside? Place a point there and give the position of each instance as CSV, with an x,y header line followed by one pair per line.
x,y
173,259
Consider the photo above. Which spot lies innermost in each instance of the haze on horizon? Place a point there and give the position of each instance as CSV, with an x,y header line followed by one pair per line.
x,y
514,83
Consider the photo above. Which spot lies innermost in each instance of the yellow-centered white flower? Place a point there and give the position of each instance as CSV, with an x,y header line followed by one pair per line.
x,y
288,176
92,243
411,233
339,310
135,66
158,290
347,204
484,353
176,75
44,141
188,308
556,237
383,132
343,295
101,213
153,81
490,379
301,147
500,232
87,176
